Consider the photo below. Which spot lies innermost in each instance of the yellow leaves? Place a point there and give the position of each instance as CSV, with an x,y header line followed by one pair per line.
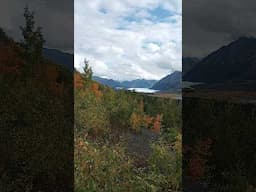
x,y
103,165
135,121
178,144
148,120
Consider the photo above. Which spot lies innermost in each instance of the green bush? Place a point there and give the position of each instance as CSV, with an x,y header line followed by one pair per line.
x,y
165,164
102,168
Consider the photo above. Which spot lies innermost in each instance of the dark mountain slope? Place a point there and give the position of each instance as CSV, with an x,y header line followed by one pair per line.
x,y
65,59
188,63
234,62
172,81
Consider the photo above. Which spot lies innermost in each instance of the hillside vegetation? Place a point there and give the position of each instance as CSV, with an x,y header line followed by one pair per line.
x,y
103,116
217,145
36,109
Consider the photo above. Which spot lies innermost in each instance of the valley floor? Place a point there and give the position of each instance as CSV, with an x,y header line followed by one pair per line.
x,y
230,96
175,96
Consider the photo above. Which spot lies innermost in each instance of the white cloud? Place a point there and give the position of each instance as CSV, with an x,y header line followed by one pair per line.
x,y
121,40
153,47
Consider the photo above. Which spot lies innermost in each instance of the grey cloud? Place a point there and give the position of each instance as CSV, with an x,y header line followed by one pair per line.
x,y
118,49
56,17
208,25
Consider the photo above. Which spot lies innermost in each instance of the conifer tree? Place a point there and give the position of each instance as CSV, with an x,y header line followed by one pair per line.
x,y
33,40
87,70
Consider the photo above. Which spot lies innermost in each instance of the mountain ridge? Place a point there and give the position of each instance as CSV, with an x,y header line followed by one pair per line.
x,y
233,62
169,82
137,83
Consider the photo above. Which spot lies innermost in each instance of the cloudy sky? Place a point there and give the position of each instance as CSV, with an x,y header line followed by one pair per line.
x,y
210,24
56,17
128,39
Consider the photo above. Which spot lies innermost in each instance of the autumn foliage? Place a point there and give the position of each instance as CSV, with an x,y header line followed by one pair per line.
x,y
101,159
157,123
137,121
78,81
95,88
36,105
103,116
46,74
10,61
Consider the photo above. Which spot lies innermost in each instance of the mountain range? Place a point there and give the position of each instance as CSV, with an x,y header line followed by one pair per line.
x,y
169,82
137,83
105,81
233,62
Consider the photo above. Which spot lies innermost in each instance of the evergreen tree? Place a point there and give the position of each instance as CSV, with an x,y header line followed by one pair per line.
x,y
87,70
33,40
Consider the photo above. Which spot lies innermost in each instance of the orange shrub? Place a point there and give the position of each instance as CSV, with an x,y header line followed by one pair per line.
x,y
78,81
157,123
96,91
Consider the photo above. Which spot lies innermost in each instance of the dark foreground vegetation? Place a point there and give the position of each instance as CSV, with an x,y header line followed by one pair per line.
x,y
218,145
36,119
104,159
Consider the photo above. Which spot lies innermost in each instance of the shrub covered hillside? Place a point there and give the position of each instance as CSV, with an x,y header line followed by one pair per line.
x,y
103,120
36,121
218,153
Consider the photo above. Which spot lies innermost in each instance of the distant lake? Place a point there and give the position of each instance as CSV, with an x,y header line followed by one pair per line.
x,y
143,90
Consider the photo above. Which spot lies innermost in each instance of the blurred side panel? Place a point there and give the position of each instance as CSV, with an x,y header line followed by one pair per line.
x,y
36,95
219,89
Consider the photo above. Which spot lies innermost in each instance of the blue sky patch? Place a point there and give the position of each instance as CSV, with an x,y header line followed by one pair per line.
x,y
156,15
159,13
